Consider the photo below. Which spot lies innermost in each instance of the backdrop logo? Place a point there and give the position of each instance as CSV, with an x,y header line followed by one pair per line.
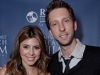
x,y
52,45
3,44
31,17
42,17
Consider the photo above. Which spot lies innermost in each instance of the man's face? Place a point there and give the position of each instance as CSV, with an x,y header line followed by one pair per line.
x,y
62,27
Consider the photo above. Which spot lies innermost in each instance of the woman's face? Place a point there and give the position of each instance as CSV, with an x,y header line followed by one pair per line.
x,y
30,51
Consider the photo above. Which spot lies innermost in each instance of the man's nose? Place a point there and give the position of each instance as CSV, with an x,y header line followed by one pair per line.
x,y
62,27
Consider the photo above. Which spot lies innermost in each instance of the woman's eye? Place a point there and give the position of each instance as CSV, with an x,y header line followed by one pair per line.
x,y
25,47
36,47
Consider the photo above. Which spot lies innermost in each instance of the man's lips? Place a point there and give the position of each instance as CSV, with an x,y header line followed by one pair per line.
x,y
63,35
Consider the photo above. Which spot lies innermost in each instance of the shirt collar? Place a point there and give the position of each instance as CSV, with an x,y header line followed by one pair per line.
x,y
77,52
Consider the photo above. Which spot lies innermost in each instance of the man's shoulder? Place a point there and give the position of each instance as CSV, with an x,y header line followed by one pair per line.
x,y
92,47
55,55
94,50
92,54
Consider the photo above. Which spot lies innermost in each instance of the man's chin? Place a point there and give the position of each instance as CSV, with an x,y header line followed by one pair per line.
x,y
65,43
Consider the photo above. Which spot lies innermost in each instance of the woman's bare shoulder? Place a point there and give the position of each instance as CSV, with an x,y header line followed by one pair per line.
x,y
48,74
2,71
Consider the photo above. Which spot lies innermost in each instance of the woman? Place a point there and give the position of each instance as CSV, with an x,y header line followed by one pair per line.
x,y
29,54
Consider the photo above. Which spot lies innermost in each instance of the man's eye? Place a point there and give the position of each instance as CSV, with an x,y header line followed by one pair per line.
x,y
66,20
53,24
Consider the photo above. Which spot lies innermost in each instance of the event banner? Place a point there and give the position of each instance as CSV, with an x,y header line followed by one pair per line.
x,y
15,14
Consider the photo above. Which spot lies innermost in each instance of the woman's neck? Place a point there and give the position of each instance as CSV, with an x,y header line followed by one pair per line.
x,y
31,70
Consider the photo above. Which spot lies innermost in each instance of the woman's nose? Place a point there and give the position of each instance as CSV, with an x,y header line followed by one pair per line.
x,y
31,52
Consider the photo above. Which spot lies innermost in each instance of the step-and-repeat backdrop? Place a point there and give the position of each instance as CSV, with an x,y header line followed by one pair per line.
x,y
15,14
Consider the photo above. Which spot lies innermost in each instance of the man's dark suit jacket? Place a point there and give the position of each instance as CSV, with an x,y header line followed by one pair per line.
x,y
89,65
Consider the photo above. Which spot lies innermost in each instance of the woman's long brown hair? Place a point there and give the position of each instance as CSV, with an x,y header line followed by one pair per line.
x,y
14,65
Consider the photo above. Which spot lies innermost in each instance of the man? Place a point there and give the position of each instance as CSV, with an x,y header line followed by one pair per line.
x,y
61,22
